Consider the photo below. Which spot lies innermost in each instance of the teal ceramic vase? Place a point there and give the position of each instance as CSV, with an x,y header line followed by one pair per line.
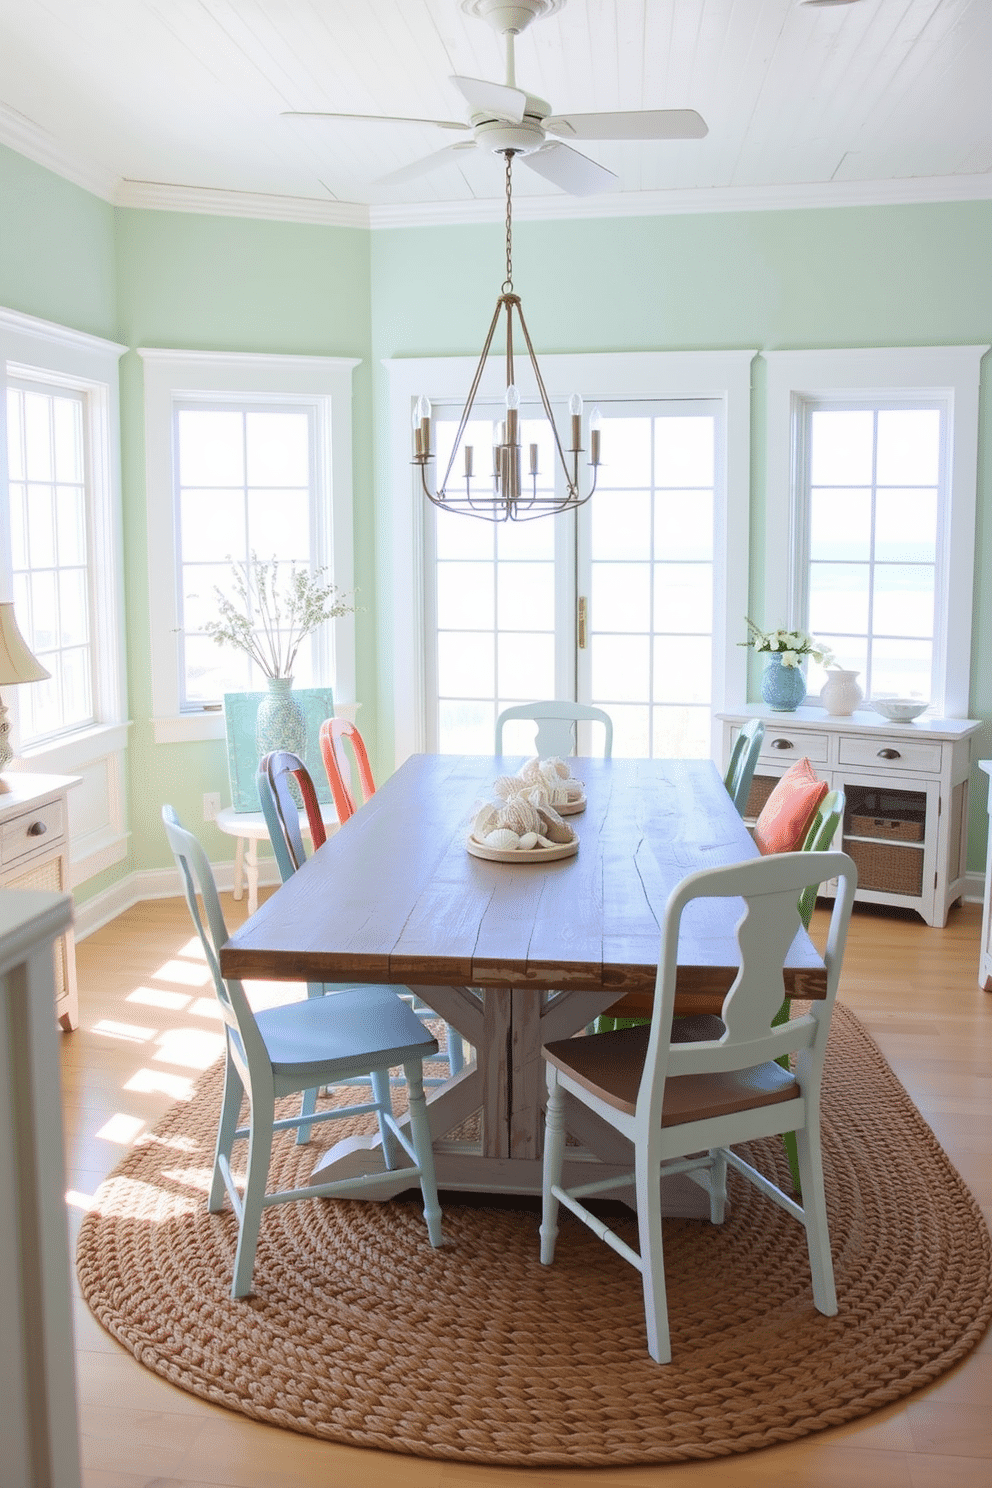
x,y
280,722
783,688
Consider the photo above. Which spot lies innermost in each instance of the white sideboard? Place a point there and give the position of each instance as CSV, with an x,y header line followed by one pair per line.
x,y
34,854
985,961
906,796
39,1433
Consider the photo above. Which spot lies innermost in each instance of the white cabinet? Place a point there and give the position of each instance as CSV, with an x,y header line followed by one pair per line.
x,y
906,796
34,854
985,961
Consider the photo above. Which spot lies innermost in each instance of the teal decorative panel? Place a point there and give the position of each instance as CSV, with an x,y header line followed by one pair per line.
x,y
240,709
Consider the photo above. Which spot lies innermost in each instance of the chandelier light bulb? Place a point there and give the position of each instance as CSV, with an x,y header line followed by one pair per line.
x,y
512,397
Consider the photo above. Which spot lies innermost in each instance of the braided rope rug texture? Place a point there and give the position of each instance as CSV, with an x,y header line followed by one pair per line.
x,y
358,1332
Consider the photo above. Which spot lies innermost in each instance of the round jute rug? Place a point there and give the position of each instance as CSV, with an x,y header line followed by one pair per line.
x,y
358,1332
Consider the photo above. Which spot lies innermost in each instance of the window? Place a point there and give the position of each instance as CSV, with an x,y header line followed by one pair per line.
x,y
870,520
50,553
657,558
873,498
61,563
243,453
245,483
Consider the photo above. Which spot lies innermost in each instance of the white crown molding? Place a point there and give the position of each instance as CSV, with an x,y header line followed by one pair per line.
x,y
912,191
246,360
155,196
22,134
47,330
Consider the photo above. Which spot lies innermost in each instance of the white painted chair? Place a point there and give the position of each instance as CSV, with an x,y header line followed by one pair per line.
x,y
556,726
299,1048
743,759
684,1106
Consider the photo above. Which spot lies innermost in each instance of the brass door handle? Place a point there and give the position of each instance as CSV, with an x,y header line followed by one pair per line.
x,y
581,622
37,829
889,754
782,744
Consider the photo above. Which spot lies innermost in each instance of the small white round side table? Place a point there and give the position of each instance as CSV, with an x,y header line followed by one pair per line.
x,y
249,827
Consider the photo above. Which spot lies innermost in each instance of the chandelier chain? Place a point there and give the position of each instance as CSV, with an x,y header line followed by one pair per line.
x,y
508,281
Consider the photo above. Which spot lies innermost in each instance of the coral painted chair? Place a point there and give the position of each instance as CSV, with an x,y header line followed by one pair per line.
x,y
333,733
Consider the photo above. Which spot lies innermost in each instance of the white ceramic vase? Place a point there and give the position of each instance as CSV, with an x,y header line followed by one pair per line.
x,y
840,694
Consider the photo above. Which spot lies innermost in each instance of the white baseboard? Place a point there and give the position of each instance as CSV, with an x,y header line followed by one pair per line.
x,y
155,883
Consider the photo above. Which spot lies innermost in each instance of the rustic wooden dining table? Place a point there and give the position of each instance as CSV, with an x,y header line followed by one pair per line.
x,y
511,955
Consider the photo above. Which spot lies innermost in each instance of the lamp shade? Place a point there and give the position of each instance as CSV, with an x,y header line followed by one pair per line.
x,y
17,664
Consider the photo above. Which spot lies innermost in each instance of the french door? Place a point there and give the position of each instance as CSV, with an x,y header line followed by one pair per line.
x,y
611,605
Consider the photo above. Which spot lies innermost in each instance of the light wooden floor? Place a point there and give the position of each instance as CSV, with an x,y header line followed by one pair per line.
x,y
149,1025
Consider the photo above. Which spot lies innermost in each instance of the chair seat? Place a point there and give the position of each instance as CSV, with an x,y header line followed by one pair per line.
x,y
363,1028
610,1066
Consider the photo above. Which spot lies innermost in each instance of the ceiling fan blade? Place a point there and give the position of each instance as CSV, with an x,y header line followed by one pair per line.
x,y
493,98
373,118
575,173
647,124
424,166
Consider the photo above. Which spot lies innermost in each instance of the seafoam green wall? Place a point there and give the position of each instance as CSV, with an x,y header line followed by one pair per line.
x,y
872,276
56,249
228,284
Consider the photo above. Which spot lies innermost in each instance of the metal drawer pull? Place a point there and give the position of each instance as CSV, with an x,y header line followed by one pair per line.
x,y
37,829
782,744
889,754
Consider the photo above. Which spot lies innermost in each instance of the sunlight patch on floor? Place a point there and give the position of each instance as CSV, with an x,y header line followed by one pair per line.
x,y
184,972
191,1048
121,1129
158,997
132,1032
159,1082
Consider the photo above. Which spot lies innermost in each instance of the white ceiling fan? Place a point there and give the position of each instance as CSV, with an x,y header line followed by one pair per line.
x,y
504,118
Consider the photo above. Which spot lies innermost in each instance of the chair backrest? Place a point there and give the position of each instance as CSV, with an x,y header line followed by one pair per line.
x,y
333,733
244,1040
556,726
822,830
770,888
743,758
280,810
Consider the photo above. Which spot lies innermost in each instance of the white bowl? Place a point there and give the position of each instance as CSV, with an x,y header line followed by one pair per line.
x,y
898,710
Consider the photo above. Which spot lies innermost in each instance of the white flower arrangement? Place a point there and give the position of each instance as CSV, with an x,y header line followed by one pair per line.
x,y
793,646
273,614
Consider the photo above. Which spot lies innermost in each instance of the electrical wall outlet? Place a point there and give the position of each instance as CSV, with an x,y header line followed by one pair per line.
x,y
211,805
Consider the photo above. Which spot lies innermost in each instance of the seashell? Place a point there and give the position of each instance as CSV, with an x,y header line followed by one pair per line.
x,y
554,827
506,786
531,770
546,842
529,840
503,838
519,815
555,766
485,821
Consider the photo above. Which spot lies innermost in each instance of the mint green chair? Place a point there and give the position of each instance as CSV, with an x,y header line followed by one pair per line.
x,y
819,837
743,759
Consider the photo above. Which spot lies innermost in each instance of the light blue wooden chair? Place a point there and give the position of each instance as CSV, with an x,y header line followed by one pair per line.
x,y
283,822
743,759
556,726
299,1048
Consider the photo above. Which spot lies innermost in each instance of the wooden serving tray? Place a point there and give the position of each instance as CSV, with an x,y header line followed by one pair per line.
x,y
528,855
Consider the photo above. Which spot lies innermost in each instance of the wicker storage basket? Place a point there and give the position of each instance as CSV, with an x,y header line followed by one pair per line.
x,y
761,788
895,870
898,829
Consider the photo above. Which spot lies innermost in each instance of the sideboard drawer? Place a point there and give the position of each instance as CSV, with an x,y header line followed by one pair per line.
x,y
890,754
32,831
782,744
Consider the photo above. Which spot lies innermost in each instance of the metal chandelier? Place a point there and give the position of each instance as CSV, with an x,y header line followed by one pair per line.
x,y
506,494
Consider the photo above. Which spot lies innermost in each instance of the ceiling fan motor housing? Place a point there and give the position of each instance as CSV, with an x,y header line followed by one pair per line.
x,y
524,138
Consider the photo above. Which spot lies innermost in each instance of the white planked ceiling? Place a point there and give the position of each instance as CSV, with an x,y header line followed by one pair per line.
x,y
158,101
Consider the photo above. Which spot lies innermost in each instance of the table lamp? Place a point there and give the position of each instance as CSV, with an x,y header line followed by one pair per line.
x,y
16,665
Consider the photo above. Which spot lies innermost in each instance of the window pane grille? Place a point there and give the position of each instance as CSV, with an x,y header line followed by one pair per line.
x,y
50,546
874,493
245,484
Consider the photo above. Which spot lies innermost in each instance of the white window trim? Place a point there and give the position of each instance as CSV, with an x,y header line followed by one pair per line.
x,y
950,374
169,375
61,356
724,375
